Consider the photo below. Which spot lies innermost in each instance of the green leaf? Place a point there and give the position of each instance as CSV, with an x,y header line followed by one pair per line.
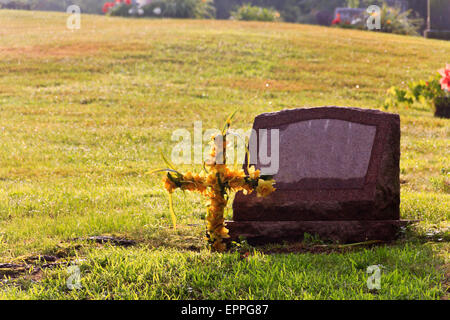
x,y
228,121
163,170
172,212
169,164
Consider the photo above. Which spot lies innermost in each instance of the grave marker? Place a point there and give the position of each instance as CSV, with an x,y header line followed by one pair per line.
x,y
338,177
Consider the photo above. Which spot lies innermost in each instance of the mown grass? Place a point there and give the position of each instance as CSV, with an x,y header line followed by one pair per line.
x,y
116,273
83,114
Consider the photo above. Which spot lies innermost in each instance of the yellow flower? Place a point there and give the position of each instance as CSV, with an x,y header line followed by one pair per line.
x,y
199,183
247,189
221,168
264,188
236,183
211,179
223,232
219,246
253,174
234,178
218,202
212,152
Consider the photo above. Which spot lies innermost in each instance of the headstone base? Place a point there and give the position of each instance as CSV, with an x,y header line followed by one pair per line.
x,y
442,107
437,34
265,232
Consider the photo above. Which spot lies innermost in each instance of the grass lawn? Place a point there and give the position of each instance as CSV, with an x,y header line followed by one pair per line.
x,y
83,113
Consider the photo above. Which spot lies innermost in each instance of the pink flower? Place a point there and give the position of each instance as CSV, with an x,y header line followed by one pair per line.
x,y
337,20
445,80
107,6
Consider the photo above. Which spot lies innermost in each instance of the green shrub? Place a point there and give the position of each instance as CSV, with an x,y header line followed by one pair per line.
x,y
253,13
122,10
299,11
392,21
395,21
421,92
353,3
191,9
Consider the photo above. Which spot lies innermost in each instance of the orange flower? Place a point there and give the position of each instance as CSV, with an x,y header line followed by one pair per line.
x,y
247,189
200,183
253,174
221,168
223,232
237,183
234,178
218,202
188,176
169,184
211,179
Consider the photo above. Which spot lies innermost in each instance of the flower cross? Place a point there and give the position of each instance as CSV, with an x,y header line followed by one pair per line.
x,y
216,183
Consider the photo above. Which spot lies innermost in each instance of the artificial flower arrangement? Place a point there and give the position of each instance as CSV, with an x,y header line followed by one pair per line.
x,y
216,183
434,92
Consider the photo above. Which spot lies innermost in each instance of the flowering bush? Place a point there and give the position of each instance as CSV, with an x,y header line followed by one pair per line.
x,y
194,9
395,21
423,92
109,6
445,80
392,20
191,9
216,183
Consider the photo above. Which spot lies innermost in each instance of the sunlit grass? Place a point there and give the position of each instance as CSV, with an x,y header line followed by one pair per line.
x,y
83,114
114,273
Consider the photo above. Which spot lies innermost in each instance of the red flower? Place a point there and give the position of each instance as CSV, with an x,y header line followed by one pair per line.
x,y
107,6
445,80
128,2
337,20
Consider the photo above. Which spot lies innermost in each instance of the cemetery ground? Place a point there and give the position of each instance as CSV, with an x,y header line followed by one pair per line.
x,y
83,114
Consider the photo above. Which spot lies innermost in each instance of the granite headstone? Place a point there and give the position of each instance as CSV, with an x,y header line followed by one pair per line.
x,y
337,177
